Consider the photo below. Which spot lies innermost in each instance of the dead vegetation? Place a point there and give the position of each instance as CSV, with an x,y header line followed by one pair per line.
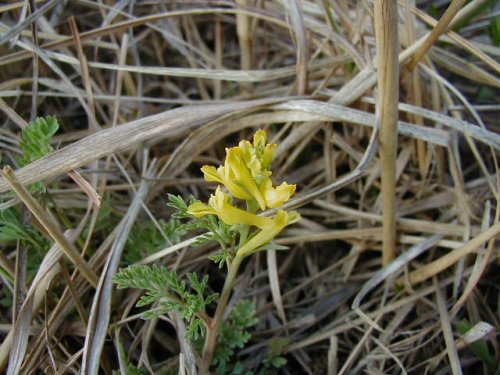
x,y
147,92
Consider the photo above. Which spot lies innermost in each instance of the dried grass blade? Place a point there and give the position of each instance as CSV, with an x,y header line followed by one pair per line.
x,y
439,29
444,316
138,21
16,341
454,256
245,40
274,282
465,44
84,68
14,117
481,263
297,18
108,141
355,352
342,113
97,327
358,172
250,75
477,132
86,187
33,16
333,361
51,227
395,266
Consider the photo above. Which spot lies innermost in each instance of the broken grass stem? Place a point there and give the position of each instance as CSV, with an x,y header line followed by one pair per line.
x,y
54,232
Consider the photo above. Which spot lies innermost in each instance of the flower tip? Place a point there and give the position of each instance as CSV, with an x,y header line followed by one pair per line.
x,y
199,209
293,217
260,138
210,173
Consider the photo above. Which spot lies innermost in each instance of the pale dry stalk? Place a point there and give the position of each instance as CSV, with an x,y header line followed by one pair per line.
x,y
438,30
386,38
243,29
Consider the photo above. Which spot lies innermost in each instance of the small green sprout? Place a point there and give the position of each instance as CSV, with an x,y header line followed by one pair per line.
x,y
35,144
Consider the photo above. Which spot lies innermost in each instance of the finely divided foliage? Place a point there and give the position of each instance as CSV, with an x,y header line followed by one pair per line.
x,y
35,139
170,295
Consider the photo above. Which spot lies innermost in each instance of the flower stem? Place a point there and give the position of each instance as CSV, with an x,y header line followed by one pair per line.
x,y
213,327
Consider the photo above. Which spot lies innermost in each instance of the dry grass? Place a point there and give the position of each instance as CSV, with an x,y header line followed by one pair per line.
x,y
148,91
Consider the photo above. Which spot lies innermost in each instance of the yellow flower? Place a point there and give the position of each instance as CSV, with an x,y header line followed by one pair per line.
x,y
224,176
280,221
243,176
246,173
264,152
258,158
220,205
275,197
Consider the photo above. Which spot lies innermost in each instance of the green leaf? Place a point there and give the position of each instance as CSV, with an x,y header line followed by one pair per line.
x,y
278,362
203,239
243,314
11,229
495,30
234,332
195,329
154,278
35,144
35,139
479,348
220,258
131,370
164,288
176,201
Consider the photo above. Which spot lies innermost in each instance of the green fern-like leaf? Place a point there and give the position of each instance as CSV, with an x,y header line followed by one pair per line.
x,y
243,315
203,239
176,201
35,139
164,288
220,257
234,333
154,278
195,329
35,144
11,229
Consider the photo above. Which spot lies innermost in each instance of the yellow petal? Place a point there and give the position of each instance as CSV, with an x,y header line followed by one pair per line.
x,y
199,209
259,139
246,150
243,175
268,155
275,197
280,221
219,175
210,173
232,215
254,166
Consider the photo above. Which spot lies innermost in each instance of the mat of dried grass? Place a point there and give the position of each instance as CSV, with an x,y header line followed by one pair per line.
x,y
386,119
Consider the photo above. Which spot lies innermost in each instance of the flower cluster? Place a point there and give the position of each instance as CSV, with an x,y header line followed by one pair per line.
x,y
246,174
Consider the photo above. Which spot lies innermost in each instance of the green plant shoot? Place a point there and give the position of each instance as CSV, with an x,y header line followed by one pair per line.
x,y
231,217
